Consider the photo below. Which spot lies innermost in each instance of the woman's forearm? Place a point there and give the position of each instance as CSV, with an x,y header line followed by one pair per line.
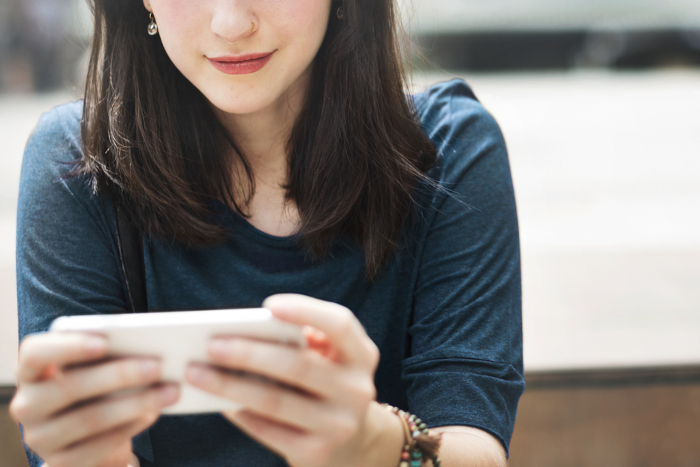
x,y
134,462
385,440
461,446
464,446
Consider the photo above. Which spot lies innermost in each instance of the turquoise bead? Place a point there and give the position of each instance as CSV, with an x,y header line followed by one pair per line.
x,y
415,463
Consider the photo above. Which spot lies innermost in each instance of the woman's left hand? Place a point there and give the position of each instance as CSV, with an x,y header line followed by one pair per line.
x,y
324,412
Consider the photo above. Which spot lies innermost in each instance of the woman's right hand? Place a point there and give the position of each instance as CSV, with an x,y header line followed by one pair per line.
x,y
62,380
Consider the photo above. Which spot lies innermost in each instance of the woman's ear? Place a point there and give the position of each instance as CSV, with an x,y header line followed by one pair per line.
x,y
147,4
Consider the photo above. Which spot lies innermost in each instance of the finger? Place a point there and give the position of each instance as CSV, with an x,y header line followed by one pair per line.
x,y
318,342
340,325
134,460
279,403
302,368
39,352
84,383
274,436
95,450
100,416
307,449
120,457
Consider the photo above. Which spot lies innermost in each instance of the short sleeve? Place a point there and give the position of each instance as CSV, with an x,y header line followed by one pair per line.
x,y
465,366
65,247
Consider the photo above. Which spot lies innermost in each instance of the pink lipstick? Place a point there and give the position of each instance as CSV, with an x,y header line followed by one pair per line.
x,y
241,64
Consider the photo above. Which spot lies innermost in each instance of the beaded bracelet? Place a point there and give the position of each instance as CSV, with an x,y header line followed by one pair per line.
x,y
419,444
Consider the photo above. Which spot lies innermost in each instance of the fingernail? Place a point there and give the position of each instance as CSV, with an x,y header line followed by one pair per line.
x,y
96,344
168,394
218,347
273,301
149,368
280,311
195,374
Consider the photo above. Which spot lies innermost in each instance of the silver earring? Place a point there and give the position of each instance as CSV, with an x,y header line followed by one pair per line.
x,y
153,27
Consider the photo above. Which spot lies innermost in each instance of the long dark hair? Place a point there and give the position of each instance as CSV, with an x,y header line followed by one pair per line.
x,y
356,152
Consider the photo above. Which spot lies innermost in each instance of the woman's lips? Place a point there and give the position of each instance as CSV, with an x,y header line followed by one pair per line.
x,y
242,64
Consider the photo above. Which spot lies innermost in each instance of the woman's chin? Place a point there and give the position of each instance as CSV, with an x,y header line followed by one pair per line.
x,y
235,108
238,106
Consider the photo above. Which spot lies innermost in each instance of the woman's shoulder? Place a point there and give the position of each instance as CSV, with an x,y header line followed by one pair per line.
x,y
447,103
54,146
49,159
57,130
459,126
439,94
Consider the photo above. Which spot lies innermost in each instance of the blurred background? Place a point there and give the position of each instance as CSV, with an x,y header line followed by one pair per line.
x,y
598,101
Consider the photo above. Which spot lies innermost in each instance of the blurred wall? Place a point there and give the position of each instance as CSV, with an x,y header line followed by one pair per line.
x,y
42,43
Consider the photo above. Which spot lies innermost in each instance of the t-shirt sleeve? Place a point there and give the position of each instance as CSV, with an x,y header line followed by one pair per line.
x,y
66,253
465,366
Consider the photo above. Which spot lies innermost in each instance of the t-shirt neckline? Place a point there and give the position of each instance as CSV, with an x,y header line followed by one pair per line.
x,y
238,224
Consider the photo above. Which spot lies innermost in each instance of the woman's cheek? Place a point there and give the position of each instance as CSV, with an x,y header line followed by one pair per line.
x,y
183,45
296,18
183,26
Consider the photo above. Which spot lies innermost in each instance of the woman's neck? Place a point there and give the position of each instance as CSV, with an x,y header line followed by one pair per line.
x,y
262,138
263,135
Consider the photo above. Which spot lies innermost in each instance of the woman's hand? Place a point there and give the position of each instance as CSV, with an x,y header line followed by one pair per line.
x,y
320,408
62,381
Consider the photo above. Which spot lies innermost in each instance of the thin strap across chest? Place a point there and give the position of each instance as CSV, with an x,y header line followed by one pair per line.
x,y
130,246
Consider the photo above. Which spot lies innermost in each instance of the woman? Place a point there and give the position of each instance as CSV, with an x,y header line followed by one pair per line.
x,y
267,147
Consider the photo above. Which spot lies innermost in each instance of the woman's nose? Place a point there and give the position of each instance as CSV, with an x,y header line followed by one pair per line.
x,y
234,20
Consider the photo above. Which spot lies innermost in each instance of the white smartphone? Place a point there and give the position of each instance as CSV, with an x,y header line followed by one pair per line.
x,y
180,337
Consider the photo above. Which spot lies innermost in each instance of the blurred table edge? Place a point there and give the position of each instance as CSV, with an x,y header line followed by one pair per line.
x,y
612,377
6,394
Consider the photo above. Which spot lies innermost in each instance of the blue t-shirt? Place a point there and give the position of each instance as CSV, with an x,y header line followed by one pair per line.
x,y
445,312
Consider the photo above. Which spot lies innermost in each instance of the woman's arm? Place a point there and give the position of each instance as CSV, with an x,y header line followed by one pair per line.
x,y
133,463
465,362
461,446
464,446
